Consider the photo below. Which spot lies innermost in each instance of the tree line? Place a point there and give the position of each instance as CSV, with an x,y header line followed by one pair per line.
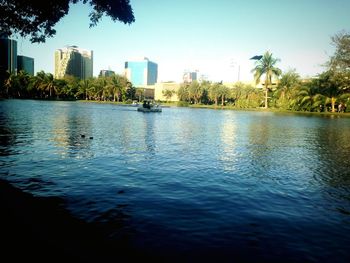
x,y
115,88
329,91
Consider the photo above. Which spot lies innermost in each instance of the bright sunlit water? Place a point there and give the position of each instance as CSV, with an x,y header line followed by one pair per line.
x,y
188,182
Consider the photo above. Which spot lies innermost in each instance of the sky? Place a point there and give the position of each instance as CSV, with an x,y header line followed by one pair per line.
x,y
215,38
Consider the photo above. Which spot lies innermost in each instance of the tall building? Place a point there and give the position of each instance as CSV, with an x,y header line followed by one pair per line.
x,y
73,61
189,76
141,72
106,73
8,55
26,64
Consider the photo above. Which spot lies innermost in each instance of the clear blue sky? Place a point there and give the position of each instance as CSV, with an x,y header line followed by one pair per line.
x,y
213,37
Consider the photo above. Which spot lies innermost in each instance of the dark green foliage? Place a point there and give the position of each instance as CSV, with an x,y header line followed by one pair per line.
x,y
45,86
38,18
130,91
340,61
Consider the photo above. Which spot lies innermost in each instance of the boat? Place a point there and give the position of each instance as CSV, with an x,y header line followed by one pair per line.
x,y
149,106
135,103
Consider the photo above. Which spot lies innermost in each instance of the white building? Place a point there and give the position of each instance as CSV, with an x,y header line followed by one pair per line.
x,y
73,61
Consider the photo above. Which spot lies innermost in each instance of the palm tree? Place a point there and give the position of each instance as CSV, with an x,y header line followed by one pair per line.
x,y
139,93
288,81
119,84
329,87
167,93
49,84
183,92
195,91
214,92
84,86
223,92
266,66
23,81
10,83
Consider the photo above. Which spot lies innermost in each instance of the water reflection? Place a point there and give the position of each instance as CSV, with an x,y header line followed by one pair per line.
x,y
199,178
229,143
14,131
7,136
333,146
259,150
149,134
72,133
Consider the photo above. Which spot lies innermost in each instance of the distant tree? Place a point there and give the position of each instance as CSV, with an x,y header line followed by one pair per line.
x,y
70,86
195,91
37,18
130,91
214,92
288,81
223,92
237,91
266,66
120,84
246,96
9,83
183,92
205,86
139,93
23,81
167,93
84,86
340,61
49,85
328,87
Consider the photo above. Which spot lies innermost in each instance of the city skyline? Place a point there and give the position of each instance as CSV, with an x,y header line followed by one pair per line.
x,y
217,39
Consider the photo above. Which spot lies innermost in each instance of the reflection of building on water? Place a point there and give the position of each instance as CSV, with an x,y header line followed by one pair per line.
x,y
149,136
71,134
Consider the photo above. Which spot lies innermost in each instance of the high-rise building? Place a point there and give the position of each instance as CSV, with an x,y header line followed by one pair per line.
x,y
8,55
189,76
106,73
73,61
26,64
141,72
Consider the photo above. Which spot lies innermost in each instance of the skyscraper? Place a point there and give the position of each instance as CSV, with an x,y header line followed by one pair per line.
x,y
141,72
73,61
26,64
8,55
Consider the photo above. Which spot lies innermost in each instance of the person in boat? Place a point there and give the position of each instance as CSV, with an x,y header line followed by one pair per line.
x,y
146,104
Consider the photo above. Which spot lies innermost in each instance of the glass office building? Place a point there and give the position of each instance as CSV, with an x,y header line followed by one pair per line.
x,y
8,55
26,64
141,72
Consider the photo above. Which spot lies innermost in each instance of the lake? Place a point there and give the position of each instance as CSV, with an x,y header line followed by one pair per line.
x,y
189,184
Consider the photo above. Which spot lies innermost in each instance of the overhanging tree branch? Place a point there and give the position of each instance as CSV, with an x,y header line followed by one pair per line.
x,y
37,19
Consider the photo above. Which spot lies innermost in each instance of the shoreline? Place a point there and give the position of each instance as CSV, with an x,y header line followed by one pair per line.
x,y
212,107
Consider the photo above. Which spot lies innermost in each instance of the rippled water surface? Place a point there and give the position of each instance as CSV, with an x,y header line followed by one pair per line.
x,y
190,182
